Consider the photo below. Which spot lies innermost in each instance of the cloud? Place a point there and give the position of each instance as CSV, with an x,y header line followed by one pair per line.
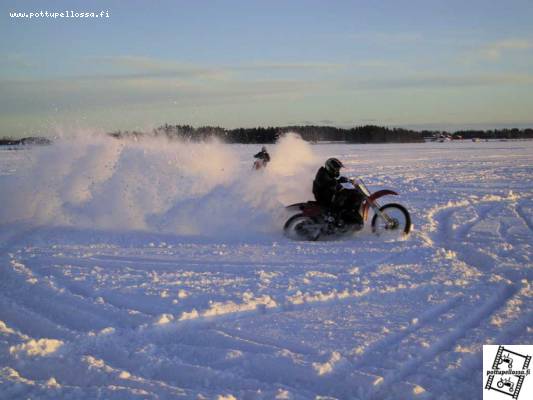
x,y
82,93
287,66
134,66
131,80
444,81
384,38
377,64
17,61
495,50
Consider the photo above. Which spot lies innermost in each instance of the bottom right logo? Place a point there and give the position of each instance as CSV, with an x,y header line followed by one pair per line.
x,y
506,372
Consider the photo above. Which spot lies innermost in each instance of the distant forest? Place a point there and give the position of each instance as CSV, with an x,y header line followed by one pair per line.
x,y
24,141
311,133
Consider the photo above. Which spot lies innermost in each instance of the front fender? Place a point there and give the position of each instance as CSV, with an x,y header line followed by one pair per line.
x,y
373,197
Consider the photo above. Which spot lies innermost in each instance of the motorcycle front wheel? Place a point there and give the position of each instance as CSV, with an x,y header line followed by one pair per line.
x,y
397,220
301,227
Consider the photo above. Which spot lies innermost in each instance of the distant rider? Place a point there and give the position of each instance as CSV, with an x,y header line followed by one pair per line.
x,y
329,194
263,158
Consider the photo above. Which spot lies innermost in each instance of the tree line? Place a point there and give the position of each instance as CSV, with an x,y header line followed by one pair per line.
x,y
313,133
506,133
261,135
24,141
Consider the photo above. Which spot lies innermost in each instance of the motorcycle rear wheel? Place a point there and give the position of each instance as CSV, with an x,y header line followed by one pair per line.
x,y
301,227
400,217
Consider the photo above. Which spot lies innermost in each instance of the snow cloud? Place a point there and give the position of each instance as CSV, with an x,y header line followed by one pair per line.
x,y
157,185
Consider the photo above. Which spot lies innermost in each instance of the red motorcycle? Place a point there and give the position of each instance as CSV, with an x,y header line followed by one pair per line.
x,y
259,164
314,221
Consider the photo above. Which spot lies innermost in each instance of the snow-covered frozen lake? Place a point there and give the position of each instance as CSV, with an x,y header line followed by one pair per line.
x,y
150,270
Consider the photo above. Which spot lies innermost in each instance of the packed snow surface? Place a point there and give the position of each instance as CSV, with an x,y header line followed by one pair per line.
x,y
157,270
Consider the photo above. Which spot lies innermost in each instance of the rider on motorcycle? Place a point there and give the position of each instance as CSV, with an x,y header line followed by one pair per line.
x,y
329,193
263,156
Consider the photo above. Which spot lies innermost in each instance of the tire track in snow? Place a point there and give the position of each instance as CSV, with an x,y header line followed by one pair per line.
x,y
472,364
120,305
445,343
465,229
456,240
347,376
15,235
11,284
81,297
172,369
30,322
25,289
520,212
391,341
478,254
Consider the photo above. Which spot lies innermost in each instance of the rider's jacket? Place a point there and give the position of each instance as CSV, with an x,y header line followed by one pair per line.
x,y
324,187
263,155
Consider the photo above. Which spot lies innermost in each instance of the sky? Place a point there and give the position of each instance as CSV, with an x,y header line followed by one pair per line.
x,y
421,64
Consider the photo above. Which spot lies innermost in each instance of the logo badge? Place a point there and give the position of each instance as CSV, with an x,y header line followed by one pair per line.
x,y
506,372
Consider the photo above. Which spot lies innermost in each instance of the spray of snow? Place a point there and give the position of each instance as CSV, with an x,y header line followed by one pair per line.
x,y
155,184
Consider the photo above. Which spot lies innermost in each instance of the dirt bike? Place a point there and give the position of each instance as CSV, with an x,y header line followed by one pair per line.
x,y
314,221
259,164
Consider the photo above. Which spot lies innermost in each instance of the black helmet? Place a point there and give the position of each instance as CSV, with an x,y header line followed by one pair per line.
x,y
333,166
264,149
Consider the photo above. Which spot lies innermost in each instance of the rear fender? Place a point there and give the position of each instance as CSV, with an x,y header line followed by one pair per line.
x,y
373,197
313,210
309,209
295,207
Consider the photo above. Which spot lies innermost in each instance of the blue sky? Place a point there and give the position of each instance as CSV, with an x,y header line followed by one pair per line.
x,y
424,64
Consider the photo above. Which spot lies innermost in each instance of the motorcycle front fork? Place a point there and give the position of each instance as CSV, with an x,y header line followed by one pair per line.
x,y
376,207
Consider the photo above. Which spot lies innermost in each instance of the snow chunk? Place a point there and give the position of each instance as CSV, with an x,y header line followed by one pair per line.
x,y
353,271
418,390
234,354
165,319
107,331
14,376
23,270
447,254
463,349
250,304
124,375
283,395
329,366
52,383
193,314
320,274
41,347
5,329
